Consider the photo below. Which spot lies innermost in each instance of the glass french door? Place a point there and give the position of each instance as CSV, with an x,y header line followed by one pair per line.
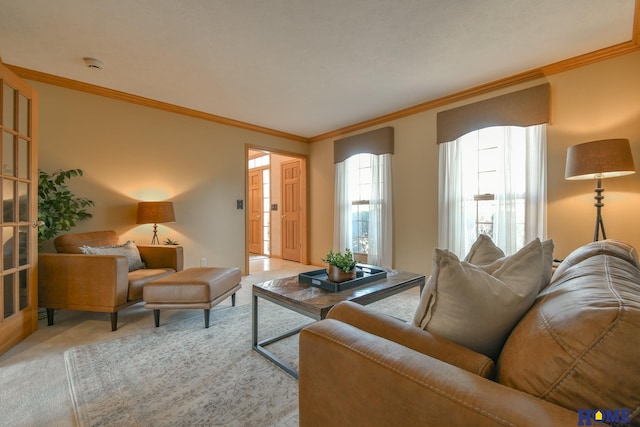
x,y
18,212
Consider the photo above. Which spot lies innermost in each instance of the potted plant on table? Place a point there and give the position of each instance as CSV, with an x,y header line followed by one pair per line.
x,y
342,267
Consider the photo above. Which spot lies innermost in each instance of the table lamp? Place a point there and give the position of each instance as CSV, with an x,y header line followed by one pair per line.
x,y
606,158
155,213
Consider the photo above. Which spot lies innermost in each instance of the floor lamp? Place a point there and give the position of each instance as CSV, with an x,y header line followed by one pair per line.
x,y
155,213
599,159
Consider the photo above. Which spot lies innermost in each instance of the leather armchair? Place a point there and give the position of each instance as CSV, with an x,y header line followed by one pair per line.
x,y
99,283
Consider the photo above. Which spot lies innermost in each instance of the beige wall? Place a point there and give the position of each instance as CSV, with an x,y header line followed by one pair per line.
x,y
131,153
598,101
590,103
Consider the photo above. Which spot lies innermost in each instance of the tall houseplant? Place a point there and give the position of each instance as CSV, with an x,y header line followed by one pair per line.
x,y
58,208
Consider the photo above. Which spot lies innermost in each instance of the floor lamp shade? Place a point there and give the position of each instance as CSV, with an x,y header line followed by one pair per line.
x,y
155,213
606,158
599,159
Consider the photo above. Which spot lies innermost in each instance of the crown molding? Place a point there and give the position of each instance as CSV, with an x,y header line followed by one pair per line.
x,y
51,79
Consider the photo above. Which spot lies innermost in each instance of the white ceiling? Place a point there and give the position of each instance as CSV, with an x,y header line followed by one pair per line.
x,y
305,67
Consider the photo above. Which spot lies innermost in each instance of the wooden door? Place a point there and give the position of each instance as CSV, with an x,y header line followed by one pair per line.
x,y
254,208
291,208
18,218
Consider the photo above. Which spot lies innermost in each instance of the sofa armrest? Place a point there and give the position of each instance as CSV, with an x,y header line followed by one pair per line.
x,y
351,377
82,282
162,256
412,337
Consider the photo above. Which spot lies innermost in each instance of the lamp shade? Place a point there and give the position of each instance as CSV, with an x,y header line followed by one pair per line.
x,y
599,159
155,212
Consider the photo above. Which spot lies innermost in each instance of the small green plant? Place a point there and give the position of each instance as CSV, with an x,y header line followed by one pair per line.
x,y
170,241
345,261
58,208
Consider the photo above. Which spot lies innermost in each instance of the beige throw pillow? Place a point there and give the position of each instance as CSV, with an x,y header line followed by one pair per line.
x,y
483,251
467,305
547,264
129,249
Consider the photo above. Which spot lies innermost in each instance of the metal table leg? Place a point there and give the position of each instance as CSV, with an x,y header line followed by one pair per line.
x,y
259,346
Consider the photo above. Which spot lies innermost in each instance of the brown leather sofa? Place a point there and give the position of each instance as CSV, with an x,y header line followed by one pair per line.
x,y
573,359
73,280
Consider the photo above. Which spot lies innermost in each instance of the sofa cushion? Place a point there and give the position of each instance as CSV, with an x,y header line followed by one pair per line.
x,y
129,249
465,304
578,346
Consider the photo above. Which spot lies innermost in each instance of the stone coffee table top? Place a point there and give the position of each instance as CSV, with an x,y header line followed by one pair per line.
x,y
316,302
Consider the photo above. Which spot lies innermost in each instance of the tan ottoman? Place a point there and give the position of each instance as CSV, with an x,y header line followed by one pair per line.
x,y
201,288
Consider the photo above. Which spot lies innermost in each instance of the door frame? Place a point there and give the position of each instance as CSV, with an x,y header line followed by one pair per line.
x,y
304,200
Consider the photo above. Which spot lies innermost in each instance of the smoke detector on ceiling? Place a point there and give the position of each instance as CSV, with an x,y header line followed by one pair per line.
x,y
93,63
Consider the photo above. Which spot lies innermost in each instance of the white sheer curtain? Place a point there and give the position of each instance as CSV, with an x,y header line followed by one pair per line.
x,y
380,233
381,212
536,183
456,210
342,227
519,187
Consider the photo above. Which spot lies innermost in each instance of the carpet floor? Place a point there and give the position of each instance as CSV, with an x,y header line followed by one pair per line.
x,y
183,375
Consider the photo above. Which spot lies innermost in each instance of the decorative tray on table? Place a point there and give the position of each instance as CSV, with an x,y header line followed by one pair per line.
x,y
364,274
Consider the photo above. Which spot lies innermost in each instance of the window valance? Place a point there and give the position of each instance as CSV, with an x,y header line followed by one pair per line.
x,y
379,141
522,108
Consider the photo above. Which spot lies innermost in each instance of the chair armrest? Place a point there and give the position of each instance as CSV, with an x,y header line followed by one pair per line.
x,y
162,256
412,337
82,282
351,377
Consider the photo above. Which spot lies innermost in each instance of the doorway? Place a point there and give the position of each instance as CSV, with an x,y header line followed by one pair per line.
x,y
276,211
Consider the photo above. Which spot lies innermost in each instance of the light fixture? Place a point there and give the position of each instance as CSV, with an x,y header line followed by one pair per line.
x,y
606,158
155,213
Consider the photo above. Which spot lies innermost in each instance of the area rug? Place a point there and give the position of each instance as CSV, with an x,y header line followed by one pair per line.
x,y
182,374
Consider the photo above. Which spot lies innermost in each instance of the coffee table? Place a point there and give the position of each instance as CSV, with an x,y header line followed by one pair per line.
x,y
315,302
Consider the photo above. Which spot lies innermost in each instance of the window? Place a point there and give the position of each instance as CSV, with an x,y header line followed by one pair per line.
x,y
360,195
257,162
493,181
487,150
363,207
